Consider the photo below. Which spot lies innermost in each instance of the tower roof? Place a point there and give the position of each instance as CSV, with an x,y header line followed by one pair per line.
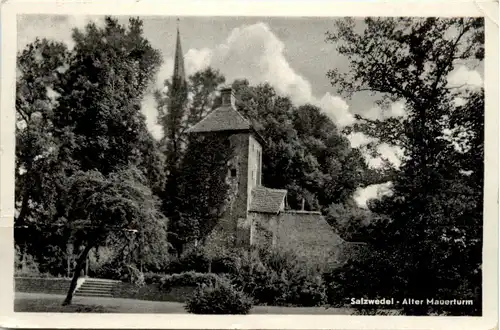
x,y
179,70
224,118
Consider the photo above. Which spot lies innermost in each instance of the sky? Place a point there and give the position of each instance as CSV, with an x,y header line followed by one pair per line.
x,y
289,53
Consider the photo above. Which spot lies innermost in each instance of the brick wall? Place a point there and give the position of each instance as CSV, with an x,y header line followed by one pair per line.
x,y
306,233
42,285
263,228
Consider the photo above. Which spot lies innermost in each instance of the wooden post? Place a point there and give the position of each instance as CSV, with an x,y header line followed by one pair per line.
x,y
24,256
303,204
87,266
68,260
141,242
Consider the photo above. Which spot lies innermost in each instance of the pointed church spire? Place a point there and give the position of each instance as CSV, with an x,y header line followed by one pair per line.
x,y
179,72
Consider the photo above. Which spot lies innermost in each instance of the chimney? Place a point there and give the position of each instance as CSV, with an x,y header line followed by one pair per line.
x,y
228,99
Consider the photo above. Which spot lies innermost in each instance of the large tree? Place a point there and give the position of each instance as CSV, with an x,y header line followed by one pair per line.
x,y
434,218
99,113
40,67
79,111
99,206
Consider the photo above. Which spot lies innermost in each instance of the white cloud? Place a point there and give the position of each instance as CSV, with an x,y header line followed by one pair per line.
x,y
397,109
165,72
148,106
197,60
465,78
255,53
336,108
359,139
375,191
459,101
393,154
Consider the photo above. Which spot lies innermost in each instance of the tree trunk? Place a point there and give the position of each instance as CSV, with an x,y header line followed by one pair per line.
x,y
24,208
76,273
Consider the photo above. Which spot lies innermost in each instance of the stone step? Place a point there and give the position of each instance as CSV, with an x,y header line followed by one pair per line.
x,y
101,282
93,294
96,288
93,290
98,285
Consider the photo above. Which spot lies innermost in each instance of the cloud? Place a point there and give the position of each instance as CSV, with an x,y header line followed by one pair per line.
x,y
459,101
359,139
336,108
397,109
393,154
255,53
375,191
197,59
465,78
165,72
148,107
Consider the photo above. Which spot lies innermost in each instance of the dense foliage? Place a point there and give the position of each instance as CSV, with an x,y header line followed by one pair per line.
x,y
429,238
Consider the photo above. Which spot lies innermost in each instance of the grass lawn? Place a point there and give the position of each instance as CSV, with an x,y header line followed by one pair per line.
x,y
51,303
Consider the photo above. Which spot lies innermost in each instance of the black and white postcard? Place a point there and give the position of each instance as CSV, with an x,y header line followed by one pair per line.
x,y
213,165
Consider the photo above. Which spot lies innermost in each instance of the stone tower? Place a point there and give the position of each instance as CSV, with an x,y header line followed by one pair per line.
x,y
245,169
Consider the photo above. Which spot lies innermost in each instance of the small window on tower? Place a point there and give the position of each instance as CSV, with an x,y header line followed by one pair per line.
x,y
233,172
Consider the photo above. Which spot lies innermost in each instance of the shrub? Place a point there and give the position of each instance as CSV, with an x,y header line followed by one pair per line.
x,y
227,264
219,297
308,291
187,279
335,291
27,267
193,260
278,278
153,278
281,260
111,271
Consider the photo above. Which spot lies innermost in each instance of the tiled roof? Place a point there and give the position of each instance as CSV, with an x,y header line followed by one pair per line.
x,y
224,118
267,200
